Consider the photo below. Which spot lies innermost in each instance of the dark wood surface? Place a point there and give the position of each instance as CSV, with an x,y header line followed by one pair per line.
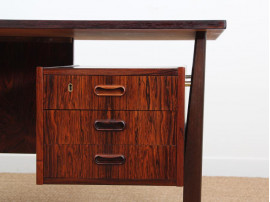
x,y
103,30
144,150
194,127
76,70
124,24
108,182
141,92
39,125
180,131
77,127
78,161
18,61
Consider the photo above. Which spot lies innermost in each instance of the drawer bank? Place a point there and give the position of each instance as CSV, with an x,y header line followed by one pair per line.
x,y
110,126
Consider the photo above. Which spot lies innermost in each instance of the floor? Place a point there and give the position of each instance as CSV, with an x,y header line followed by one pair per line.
x,y
22,187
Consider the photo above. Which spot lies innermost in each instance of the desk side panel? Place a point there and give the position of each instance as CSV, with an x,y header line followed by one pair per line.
x,y
19,58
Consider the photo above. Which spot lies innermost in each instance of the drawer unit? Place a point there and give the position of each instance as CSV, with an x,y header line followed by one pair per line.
x,y
110,126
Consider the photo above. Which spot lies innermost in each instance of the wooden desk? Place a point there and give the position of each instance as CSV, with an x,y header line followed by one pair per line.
x,y
25,44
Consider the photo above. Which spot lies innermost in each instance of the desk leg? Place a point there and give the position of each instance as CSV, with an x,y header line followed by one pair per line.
x,y
194,127
19,57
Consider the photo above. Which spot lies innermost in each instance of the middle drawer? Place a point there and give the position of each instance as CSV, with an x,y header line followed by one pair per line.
x,y
109,127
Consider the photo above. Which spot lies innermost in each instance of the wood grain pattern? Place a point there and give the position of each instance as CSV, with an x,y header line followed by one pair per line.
x,y
56,94
144,147
63,127
77,70
39,172
194,127
142,92
180,134
39,124
78,161
77,127
116,30
18,62
108,181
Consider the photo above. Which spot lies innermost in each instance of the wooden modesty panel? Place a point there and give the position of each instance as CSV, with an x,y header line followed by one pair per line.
x,y
18,61
139,128
113,30
140,92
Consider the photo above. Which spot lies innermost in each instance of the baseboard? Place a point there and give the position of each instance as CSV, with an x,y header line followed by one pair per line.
x,y
17,163
238,167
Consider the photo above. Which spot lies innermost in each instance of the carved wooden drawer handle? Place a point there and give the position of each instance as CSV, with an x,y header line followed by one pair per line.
x,y
110,90
110,159
110,125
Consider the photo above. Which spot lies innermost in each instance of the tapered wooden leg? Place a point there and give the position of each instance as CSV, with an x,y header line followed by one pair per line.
x,y
194,127
19,57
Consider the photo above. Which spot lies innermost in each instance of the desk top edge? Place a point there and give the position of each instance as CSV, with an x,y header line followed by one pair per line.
x,y
116,24
113,30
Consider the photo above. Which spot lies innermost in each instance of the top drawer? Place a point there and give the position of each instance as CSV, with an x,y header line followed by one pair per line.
x,y
110,92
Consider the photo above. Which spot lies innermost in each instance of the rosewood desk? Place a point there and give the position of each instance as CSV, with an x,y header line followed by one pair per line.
x,y
26,44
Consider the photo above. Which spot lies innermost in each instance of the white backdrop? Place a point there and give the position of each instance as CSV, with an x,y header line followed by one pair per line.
x,y
236,99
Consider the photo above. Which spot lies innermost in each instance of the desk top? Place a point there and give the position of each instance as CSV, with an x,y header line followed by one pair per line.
x,y
113,30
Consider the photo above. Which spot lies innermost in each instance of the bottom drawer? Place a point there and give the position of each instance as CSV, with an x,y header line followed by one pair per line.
x,y
97,162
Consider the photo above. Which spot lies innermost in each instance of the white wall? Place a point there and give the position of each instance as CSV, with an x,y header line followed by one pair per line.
x,y
236,100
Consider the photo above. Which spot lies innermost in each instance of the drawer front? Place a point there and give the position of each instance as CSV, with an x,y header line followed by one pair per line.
x,y
102,162
109,127
110,92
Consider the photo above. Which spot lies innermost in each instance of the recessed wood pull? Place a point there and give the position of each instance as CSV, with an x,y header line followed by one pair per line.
x,y
110,159
110,90
110,125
